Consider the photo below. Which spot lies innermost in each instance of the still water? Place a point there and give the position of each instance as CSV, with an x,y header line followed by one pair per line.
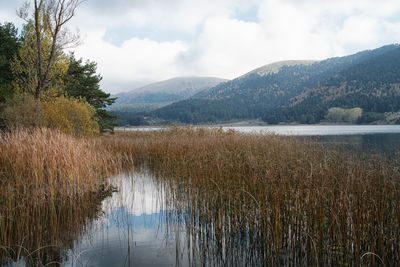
x,y
133,229
310,130
298,130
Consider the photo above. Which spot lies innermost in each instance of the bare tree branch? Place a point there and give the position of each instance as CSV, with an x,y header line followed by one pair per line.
x,y
50,17
23,12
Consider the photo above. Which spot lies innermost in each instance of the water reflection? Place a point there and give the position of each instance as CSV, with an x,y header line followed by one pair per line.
x,y
41,234
134,230
312,130
149,223
298,130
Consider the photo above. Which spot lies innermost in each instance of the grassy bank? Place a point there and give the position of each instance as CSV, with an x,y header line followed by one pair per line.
x,y
276,200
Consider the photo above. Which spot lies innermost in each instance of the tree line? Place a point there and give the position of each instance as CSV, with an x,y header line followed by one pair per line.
x,y
43,86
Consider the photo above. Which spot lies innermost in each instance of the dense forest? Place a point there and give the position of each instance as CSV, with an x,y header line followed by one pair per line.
x,y
301,93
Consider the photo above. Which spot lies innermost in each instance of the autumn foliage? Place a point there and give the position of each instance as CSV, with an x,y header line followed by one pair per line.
x,y
70,115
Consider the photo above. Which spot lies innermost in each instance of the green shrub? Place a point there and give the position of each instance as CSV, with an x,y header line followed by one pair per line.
x,y
343,115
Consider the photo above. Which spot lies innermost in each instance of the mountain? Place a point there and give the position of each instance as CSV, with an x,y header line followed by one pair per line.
x,y
299,91
372,84
159,94
269,69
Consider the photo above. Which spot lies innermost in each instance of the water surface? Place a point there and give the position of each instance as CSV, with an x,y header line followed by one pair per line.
x,y
298,130
310,130
134,229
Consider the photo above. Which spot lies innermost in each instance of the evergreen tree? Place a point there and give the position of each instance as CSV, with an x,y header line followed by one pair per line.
x,y
81,80
9,45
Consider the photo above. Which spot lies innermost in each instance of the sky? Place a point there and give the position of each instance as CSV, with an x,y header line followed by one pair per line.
x,y
136,42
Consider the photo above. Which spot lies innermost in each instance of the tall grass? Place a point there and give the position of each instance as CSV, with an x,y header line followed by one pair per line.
x,y
50,184
245,199
40,234
46,164
269,200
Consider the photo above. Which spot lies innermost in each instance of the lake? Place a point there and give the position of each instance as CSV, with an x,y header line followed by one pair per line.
x,y
298,130
138,226
322,130
381,138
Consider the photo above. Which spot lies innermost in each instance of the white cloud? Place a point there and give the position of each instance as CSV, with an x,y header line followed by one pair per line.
x,y
359,30
211,40
136,59
227,48
138,194
322,29
180,15
8,12
289,29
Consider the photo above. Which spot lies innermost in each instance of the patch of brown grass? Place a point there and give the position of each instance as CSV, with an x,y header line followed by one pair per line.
x,y
287,200
258,200
51,185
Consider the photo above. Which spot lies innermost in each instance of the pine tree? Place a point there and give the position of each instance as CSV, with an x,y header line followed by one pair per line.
x,y
9,45
81,80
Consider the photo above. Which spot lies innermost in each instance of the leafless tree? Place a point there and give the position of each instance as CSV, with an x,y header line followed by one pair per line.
x,y
49,17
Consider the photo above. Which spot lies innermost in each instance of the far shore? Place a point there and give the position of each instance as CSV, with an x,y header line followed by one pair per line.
x,y
245,124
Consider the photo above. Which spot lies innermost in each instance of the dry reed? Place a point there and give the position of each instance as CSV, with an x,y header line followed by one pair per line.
x,y
269,200
49,184
245,199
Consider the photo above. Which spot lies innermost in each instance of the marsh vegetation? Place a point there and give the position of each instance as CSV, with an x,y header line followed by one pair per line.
x,y
242,199
287,201
51,184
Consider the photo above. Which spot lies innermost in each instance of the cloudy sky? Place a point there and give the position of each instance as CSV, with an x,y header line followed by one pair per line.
x,y
136,42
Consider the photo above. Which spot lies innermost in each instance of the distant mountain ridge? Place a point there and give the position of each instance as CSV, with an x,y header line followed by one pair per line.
x,y
275,67
165,92
298,91
272,68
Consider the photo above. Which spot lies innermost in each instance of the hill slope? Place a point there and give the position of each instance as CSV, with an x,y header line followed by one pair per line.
x,y
299,91
164,92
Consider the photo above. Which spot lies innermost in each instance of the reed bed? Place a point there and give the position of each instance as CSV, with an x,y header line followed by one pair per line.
x,y
269,200
41,234
48,181
245,199
46,164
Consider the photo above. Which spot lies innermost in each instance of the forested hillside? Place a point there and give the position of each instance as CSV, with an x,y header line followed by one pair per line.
x,y
299,91
373,85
